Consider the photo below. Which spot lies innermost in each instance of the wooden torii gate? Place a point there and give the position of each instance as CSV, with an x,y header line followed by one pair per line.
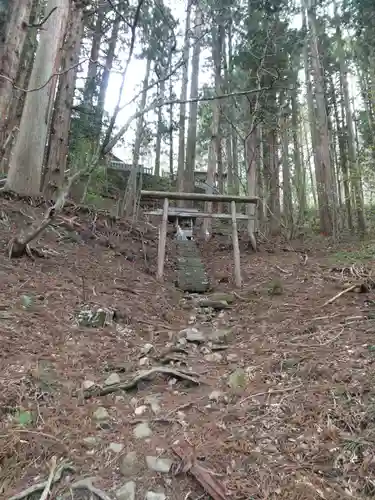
x,y
233,216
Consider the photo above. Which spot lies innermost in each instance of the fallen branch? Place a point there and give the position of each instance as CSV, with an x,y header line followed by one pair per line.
x,y
19,245
42,485
128,385
349,289
211,485
86,484
48,485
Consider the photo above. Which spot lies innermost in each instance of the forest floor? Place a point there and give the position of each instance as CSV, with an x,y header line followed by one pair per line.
x,y
280,397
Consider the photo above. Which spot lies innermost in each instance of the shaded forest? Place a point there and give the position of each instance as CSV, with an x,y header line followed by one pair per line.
x,y
286,111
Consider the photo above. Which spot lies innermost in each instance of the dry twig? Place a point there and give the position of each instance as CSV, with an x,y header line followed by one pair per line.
x,y
204,477
127,385
58,473
48,485
349,289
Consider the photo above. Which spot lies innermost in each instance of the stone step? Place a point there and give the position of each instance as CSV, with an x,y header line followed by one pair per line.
x,y
191,275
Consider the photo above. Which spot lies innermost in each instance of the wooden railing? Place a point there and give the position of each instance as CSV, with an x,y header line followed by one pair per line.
x,y
194,214
127,167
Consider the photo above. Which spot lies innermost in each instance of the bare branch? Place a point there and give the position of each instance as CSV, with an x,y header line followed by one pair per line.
x,y
124,73
57,73
109,146
39,25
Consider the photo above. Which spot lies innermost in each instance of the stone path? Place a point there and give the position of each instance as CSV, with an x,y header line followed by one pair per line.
x,y
191,275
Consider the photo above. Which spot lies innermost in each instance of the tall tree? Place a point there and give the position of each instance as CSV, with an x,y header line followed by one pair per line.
x,y
191,143
183,96
57,151
25,168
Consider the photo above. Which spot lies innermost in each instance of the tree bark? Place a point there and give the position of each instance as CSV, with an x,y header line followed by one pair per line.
x,y
183,97
300,172
10,54
24,176
105,75
92,73
57,152
191,142
325,179
159,130
355,176
171,124
274,193
131,189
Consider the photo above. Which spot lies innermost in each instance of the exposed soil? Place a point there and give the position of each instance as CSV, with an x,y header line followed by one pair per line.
x,y
301,426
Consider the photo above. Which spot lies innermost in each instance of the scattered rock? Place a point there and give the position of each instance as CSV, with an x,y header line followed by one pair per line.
x,y
147,348
214,356
216,396
119,399
127,491
222,296
153,401
96,318
237,379
113,378
232,357
101,414
220,335
144,361
87,384
159,464
151,495
140,410
90,441
192,335
216,305
116,447
142,431
127,464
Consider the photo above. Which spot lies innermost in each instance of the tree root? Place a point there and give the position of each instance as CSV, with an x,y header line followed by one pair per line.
x,y
18,246
128,385
44,485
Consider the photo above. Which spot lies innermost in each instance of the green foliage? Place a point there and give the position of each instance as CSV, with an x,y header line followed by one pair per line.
x,y
363,253
23,417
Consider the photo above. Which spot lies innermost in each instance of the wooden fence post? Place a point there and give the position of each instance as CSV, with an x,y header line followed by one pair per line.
x,y
236,247
162,241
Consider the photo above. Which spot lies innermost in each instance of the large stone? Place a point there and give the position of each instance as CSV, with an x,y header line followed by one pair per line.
x,y
147,348
159,464
140,410
220,335
101,414
216,396
222,296
112,379
127,491
90,441
213,357
116,447
153,401
152,495
87,384
128,463
192,334
142,431
214,304
94,317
